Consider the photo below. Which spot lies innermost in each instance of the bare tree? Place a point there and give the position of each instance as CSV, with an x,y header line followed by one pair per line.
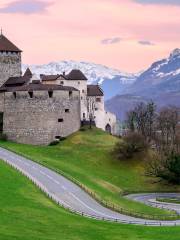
x,y
142,118
167,129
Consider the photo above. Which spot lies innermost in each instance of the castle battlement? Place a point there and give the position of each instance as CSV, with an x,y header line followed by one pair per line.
x,y
38,110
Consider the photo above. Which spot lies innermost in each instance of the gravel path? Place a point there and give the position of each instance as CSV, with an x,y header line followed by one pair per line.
x,y
72,197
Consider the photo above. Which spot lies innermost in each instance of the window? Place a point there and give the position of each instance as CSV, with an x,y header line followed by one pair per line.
x,y
30,94
84,115
81,98
66,110
96,109
57,137
82,91
98,99
70,93
60,120
78,82
50,93
14,94
62,82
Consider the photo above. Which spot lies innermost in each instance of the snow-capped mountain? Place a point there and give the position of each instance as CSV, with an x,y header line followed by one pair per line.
x,y
94,72
111,80
162,76
160,82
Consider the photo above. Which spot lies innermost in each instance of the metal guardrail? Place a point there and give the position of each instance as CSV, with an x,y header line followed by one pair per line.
x,y
65,206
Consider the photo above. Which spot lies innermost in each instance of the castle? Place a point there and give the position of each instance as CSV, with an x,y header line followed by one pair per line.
x,y
38,110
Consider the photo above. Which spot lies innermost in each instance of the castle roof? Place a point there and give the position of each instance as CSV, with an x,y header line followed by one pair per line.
x,y
6,45
94,90
28,73
18,81
38,87
75,74
49,77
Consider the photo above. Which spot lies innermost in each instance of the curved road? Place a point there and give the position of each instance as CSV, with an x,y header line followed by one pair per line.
x,y
69,195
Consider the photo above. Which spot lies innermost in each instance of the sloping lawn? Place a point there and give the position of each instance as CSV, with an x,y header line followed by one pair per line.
x,y
27,214
87,157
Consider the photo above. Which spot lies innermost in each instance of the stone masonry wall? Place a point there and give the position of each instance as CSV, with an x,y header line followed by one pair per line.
x,y
35,120
10,66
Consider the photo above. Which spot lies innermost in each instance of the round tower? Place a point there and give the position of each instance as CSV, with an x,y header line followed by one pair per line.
x,y
10,60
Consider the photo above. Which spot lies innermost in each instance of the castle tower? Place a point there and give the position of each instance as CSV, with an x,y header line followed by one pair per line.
x,y
10,60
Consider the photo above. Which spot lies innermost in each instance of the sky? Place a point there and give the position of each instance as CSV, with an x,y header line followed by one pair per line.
x,y
124,34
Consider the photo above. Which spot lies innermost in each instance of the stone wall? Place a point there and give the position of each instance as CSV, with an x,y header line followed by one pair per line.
x,y
10,66
81,85
39,120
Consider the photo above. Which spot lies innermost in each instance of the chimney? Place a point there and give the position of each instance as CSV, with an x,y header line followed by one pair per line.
x,y
64,73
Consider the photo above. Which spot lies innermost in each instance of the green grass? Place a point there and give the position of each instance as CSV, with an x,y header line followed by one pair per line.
x,y
27,214
87,157
169,200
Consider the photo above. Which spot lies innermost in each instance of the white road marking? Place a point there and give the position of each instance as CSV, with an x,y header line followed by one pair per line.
x,y
88,206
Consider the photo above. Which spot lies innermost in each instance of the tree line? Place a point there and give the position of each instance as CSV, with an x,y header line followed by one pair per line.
x,y
158,131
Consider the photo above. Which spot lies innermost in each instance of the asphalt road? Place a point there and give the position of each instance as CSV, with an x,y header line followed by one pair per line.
x,y
72,197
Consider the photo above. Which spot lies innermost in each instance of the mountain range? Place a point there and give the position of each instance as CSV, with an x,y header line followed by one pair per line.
x,y
111,80
160,82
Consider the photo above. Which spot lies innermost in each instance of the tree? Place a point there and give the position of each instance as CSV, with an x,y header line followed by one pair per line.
x,y
141,119
131,144
167,137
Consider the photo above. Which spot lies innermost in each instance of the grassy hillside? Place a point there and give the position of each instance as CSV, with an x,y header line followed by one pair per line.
x,y
27,214
87,157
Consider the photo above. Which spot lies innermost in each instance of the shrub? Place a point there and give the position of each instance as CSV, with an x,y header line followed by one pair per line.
x,y
53,143
171,168
132,143
3,137
166,167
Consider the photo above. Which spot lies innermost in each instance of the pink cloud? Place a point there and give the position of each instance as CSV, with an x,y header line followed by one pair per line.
x,y
74,29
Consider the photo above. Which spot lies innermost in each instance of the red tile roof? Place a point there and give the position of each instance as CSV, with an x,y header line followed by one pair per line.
x,y
94,90
6,45
75,74
37,87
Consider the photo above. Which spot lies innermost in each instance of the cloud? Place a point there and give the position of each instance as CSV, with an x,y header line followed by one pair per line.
x,y
147,43
169,2
26,7
111,40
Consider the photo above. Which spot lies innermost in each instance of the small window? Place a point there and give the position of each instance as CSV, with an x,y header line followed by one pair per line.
x,y
81,98
30,94
50,93
14,94
66,110
70,93
78,82
62,82
96,109
84,115
57,137
82,91
60,120
98,99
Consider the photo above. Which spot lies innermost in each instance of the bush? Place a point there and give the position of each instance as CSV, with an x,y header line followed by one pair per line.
x,y
132,143
54,143
171,168
166,167
3,137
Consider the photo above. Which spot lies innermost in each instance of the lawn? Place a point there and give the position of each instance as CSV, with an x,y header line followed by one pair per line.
x,y
27,214
87,157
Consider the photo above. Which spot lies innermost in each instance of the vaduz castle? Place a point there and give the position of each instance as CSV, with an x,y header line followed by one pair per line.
x,y
38,110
